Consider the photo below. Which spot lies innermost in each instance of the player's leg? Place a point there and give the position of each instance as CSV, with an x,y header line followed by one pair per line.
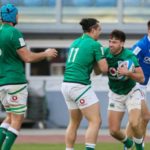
x,y
13,130
114,122
145,116
71,132
134,119
4,127
89,105
16,100
116,109
135,114
6,122
75,115
144,120
92,114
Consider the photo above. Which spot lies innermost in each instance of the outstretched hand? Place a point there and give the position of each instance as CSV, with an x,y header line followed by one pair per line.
x,y
51,53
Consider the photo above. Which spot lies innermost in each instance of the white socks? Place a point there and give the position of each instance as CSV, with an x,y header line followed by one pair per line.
x,y
138,141
69,148
5,125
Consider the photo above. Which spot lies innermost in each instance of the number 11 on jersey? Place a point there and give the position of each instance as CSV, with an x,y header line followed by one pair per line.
x,y
73,54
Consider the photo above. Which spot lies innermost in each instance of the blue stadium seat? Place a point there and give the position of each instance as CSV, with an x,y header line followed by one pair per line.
x,y
82,2
67,2
51,2
32,3
132,2
105,3
15,2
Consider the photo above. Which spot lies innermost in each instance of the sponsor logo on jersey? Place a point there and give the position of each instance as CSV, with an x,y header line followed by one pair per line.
x,y
147,60
136,50
113,71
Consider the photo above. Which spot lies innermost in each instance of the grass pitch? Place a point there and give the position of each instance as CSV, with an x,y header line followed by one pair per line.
x,y
100,146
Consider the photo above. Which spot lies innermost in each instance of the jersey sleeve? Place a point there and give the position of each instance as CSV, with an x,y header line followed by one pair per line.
x,y
17,39
135,61
99,52
138,50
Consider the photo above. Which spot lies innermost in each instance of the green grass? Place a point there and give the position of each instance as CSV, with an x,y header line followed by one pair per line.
x,y
100,146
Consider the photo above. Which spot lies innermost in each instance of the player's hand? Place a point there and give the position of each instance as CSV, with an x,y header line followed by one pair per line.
x,y
51,53
123,70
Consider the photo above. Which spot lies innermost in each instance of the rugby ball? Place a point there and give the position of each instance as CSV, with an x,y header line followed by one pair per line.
x,y
130,65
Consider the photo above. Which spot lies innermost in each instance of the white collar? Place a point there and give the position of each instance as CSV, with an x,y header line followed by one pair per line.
x,y
148,38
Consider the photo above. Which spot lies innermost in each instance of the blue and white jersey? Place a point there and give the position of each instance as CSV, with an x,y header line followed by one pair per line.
x,y
142,50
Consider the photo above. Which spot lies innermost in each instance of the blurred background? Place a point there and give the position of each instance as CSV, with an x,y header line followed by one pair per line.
x,y
54,23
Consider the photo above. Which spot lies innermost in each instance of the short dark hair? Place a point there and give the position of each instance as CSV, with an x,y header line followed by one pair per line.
x,y
118,34
148,25
88,23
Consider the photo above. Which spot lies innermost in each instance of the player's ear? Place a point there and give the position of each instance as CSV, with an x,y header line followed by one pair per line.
x,y
122,44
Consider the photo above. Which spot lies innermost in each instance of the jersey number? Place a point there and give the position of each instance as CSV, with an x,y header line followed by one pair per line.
x,y
73,54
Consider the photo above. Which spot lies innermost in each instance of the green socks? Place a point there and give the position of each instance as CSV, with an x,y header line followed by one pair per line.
x,y
9,140
90,146
3,129
139,146
128,143
2,135
138,143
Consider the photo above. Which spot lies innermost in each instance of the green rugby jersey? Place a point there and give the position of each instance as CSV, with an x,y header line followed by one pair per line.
x,y
11,66
116,84
83,54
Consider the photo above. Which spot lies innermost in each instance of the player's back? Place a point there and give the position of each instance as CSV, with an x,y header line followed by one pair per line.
x,y
81,59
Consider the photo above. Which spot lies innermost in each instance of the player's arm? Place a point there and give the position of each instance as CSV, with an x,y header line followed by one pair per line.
x,y
96,69
28,56
101,67
136,75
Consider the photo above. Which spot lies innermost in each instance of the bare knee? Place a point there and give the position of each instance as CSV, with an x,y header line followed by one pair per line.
x,y
146,117
114,131
134,125
16,121
8,119
95,122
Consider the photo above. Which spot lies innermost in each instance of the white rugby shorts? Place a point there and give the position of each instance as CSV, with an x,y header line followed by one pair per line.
x,y
131,101
78,96
143,88
14,98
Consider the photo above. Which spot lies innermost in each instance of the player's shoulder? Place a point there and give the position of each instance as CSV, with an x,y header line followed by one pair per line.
x,y
142,42
128,52
14,31
107,49
96,43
